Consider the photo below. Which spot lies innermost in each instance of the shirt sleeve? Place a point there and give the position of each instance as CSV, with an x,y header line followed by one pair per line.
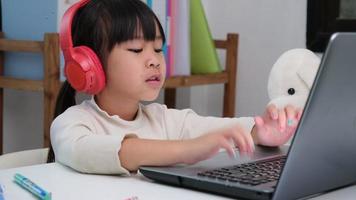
x,y
77,145
191,125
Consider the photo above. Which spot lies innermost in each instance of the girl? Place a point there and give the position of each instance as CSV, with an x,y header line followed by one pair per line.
x,y
113,133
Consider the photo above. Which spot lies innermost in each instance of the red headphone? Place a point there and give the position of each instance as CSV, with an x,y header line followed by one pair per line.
x,y
82,67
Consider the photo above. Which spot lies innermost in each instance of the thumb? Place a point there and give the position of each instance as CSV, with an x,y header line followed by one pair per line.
x,y
261,125
259,122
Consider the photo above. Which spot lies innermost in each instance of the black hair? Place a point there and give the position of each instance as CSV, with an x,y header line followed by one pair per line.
x,y
100,25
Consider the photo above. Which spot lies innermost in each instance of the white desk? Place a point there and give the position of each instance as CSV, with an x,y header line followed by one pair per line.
x,y
67,184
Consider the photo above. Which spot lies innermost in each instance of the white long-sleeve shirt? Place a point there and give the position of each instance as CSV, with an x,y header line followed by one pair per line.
x,y
88,139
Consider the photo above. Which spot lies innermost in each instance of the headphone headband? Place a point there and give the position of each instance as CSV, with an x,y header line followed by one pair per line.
x,y
65,35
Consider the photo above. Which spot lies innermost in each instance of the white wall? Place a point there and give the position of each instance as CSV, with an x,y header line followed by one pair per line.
x,y
266,29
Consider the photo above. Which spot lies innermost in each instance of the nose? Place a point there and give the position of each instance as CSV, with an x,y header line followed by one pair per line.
x,y
153,62
152,65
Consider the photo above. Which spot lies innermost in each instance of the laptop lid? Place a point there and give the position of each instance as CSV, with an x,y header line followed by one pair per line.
x,y
323,151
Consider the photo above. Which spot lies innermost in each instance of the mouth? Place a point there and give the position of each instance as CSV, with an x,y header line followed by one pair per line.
x,y
154,78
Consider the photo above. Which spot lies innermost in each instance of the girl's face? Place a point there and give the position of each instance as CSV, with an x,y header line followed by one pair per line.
x,y
136,69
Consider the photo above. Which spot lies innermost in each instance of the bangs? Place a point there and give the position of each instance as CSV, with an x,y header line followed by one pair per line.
x,y
137,21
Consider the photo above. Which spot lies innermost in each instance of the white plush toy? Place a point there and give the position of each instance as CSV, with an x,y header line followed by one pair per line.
x,y
291,77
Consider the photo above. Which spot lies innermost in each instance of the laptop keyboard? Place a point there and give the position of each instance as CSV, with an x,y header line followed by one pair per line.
x,y
254,173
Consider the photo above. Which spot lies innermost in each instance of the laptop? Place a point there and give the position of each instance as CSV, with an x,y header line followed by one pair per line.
x,y
321,156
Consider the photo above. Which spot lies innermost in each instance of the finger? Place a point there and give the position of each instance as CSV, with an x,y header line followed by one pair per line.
x,y
259,123
227,146
290,113
247,140
239,141
272,111
235,135
282,120
250,142
262,131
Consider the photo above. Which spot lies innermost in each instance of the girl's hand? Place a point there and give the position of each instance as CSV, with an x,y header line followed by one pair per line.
x,y
276,126
205,146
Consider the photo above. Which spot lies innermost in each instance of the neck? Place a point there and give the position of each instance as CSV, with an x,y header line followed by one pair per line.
x,y
124,108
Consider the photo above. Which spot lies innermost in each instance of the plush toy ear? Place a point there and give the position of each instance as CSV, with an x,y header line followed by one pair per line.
x,y
307,76
308,69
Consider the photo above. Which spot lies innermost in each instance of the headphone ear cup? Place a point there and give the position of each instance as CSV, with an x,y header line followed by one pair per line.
x,y
84,71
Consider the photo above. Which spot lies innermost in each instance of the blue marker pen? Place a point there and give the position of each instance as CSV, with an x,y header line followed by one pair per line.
x,y
1,193
32,187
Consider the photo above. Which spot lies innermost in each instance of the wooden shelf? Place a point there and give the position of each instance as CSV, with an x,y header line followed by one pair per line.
x,y
49,85
227,77
194,80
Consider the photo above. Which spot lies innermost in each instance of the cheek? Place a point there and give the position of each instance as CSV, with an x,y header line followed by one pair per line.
x,y
163,66
123,76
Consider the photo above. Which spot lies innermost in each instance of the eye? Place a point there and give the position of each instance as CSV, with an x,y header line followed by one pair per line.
x,y
136,50
291,91
158,50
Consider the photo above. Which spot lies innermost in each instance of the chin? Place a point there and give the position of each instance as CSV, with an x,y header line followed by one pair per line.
x,y
150,97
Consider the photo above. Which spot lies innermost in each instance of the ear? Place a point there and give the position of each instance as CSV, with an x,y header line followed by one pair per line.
x,y
306,75
308,70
